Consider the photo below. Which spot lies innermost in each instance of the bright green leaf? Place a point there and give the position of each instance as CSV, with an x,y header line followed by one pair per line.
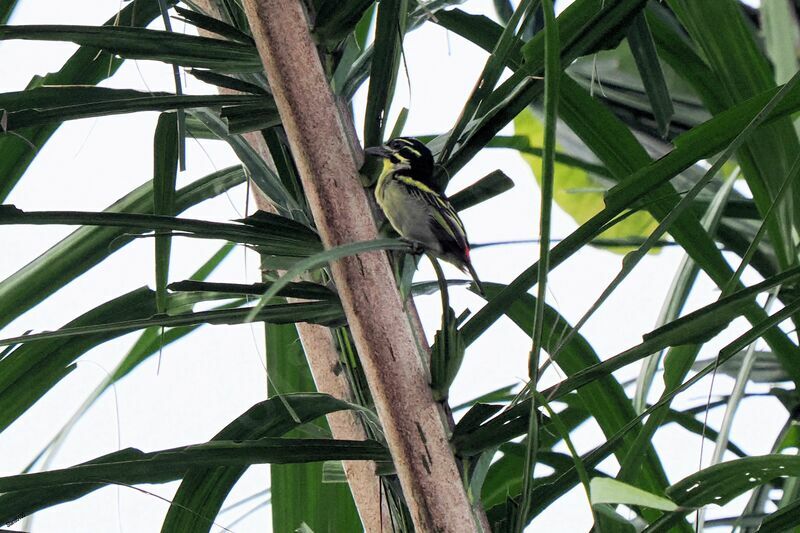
x,y
576,191
608,490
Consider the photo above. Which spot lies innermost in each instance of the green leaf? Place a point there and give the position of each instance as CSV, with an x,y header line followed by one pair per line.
x,y
563,431
510,466
228,82
736,58
88,246
336,19
781,34
250,439
497,395
354,64
644,52
265,178
6,9
299,492
505,45
699,324
613,78
59,97
486,188
284,164
305,290
700,142
504,476
326,313
608,520
477,476
251,117
322,259
608,490
679,290
604,398
584,26
203,490
552,74
176,76
165,173
782,520
84,67
682,56
29,371
214,25
577,193
389,32
353,67
688,422
480,30
447,352
400,123
138,43
522,144
506,479
104,103
152,340
767,367
272,237
719,484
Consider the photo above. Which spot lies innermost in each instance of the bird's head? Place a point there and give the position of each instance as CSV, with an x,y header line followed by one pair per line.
x,y
405,153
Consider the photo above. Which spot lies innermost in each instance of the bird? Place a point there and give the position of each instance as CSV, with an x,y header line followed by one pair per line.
x,y
414,205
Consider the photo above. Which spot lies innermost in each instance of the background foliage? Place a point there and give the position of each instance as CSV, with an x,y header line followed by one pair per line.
x,y
652,124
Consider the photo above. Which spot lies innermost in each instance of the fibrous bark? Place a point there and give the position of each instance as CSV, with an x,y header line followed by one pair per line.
x,y
320,348
415,431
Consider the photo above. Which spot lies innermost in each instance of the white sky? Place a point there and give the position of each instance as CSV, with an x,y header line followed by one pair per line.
x,y
90,163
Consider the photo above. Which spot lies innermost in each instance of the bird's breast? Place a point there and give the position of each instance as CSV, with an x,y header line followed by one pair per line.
x,y
408,214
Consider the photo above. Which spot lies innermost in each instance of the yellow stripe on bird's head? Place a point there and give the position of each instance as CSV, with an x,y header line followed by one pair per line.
x,y
406,153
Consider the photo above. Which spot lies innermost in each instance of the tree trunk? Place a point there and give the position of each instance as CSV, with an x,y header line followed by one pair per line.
x,y
415,430
321,350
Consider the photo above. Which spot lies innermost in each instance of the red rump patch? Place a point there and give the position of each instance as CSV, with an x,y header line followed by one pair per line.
x,y
466,252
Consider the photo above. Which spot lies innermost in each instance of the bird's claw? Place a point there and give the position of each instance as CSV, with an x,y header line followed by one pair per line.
x,y
416,247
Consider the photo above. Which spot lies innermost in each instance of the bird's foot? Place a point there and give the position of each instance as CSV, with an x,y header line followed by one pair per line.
x,y
416,247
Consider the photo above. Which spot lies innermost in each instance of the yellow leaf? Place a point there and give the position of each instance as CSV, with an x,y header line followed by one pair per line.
x,y
576,192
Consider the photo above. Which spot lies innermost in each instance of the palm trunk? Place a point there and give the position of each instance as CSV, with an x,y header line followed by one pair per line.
x,y
415,430
320,348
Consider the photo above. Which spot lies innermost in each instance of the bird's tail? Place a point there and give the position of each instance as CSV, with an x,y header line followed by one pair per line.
x,y
475,277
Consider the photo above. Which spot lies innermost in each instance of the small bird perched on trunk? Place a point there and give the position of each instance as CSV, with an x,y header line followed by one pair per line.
x,y
417,211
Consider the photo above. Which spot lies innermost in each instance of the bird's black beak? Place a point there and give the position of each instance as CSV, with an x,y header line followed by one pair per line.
x,y
378,151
